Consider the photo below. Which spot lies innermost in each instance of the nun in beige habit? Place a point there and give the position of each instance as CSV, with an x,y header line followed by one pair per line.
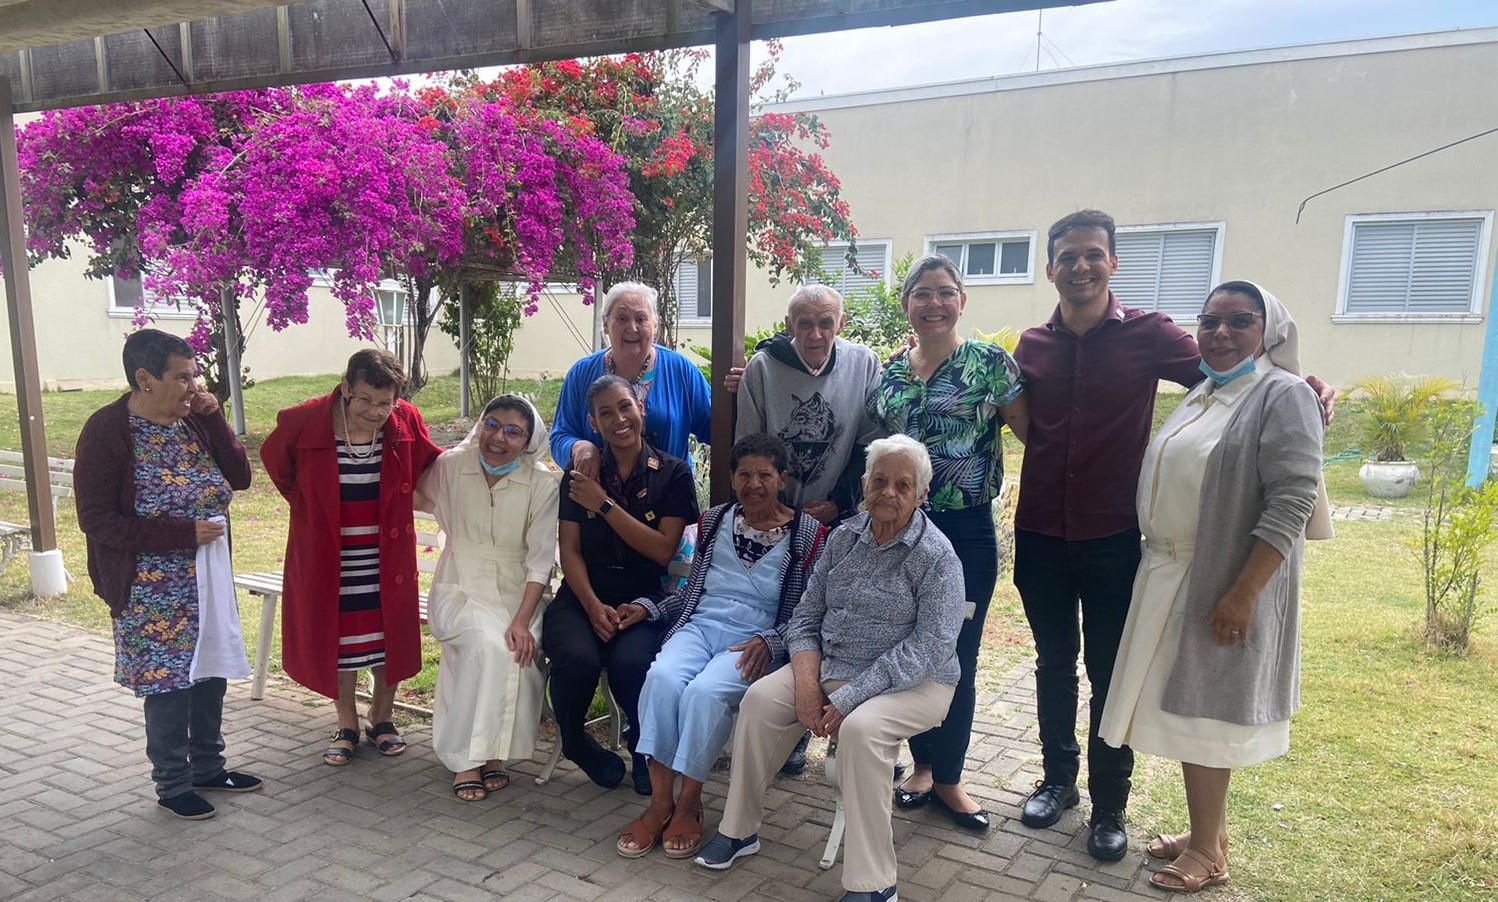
x,y
1209,665
497,505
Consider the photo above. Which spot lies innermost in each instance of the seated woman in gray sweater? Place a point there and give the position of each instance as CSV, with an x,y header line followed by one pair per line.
x,y
873,662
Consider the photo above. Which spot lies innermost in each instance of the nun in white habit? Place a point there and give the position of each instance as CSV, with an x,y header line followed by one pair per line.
x,y
1208,667
497,505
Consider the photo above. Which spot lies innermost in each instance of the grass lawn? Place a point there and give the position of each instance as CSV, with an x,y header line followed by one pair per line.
x,y
1388,791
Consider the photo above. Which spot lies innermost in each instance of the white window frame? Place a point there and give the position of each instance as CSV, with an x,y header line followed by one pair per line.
x,y
1219,226
154,308
693,320
967,238
841,247
1473,313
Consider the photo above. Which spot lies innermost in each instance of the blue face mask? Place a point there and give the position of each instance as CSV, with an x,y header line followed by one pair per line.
x,y
1242,369
500,470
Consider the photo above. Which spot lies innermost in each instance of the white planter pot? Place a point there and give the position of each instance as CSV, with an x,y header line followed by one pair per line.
x,y
1389,479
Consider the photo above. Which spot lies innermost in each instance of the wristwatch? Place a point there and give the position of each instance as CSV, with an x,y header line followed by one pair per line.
x,y
605,508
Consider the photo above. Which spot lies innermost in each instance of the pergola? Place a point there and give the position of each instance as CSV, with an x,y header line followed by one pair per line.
x,y
60,53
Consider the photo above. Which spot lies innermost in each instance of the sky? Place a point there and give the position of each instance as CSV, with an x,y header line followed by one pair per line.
x,y
1109,32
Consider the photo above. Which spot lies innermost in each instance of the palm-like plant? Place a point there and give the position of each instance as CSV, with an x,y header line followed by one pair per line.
x,y
1396,410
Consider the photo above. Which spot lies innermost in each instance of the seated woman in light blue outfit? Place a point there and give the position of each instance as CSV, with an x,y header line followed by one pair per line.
x,y
727,630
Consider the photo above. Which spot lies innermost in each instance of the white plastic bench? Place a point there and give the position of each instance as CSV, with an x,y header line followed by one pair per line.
x,y
268,586
16,537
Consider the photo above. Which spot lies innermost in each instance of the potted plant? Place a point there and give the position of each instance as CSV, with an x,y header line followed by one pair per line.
x,y
1395,410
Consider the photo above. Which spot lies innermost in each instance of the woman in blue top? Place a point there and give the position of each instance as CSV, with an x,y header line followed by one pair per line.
x,y
954,396
672,391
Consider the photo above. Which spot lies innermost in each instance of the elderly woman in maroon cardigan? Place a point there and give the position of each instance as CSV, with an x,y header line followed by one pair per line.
x,y
348,462
154,476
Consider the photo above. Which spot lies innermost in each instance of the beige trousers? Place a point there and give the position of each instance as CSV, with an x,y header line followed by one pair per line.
x,y
867,743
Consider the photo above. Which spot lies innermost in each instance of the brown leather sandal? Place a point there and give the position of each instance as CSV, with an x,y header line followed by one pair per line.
x,y
645,831
1171,847
1184,881
684,825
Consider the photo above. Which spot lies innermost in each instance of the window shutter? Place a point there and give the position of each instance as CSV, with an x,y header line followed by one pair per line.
x,y
1168,271
1413,266
686,288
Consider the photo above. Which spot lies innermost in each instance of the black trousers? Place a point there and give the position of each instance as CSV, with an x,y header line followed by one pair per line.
x,y
184,736
577,656
971,532
1053,577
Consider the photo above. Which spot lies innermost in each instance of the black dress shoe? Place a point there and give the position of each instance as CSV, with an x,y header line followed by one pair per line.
x,y
967,820
1046,804
795,765
1107,840
639,772
910,800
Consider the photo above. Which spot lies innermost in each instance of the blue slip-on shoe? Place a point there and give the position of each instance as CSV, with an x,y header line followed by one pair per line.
x,y
722,851
887,894
230,781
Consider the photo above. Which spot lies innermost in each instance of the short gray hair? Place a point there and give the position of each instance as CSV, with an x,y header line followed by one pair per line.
x,y
812,293
620,289
902,444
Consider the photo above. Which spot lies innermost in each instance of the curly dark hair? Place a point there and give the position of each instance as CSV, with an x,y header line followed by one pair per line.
x,y
149,350
761,444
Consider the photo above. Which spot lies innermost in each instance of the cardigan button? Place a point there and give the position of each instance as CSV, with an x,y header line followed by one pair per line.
x,y
395,532
400,578
406,488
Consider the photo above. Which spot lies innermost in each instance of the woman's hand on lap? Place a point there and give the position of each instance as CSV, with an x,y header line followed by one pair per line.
x,y
630,614
519,640
754,658
605,620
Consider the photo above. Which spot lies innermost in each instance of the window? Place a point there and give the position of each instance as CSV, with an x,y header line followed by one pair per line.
x,y
872,257
989,258
1413,266
694,289
127,294
1168,268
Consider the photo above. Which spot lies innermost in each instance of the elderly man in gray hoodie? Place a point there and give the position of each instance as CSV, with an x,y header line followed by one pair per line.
x,y
809,387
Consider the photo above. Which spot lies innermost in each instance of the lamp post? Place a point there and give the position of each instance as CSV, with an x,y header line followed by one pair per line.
x,y
390,313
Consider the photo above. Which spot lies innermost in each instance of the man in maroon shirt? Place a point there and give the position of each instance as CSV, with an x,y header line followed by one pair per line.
x,y
1091,373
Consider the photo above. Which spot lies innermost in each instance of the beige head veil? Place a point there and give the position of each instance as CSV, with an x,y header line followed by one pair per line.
x,y
533,448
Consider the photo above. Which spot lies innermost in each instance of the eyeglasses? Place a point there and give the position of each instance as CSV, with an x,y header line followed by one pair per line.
x,y
364,402
926,295
508,430
1238,322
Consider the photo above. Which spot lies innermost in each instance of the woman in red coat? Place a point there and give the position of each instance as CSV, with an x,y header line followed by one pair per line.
x,y
348,463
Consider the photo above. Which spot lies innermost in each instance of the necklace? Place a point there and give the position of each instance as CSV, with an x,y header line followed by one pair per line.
x,y
348,438
640,382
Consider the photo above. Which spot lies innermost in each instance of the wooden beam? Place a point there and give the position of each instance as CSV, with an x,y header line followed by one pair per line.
x,y
23,333
730,226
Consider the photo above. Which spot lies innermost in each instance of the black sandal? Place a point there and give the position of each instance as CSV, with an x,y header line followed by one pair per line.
x,y
390,746
496,776
470,786
337,755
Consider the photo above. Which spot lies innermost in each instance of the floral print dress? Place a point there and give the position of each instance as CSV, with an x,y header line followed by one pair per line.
x,y
157,632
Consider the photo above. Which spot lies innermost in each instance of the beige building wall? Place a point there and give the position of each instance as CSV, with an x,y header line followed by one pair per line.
x,y
1234,139
79,336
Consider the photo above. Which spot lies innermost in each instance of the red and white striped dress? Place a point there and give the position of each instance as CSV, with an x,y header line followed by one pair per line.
x,y
361,624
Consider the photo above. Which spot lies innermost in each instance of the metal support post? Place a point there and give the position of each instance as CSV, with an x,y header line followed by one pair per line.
x,y
1480,456
231,357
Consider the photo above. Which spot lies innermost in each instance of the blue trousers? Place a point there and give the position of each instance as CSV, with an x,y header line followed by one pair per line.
x,y
686,707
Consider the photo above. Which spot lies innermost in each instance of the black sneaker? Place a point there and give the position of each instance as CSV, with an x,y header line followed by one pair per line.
x,y
795,765
231,781
722,851
1046,804
887,894
189,806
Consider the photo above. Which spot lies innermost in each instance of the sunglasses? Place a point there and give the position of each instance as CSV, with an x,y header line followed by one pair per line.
x,y
509,430
1238,322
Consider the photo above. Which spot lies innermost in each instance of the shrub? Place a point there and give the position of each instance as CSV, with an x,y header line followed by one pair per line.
x,y
1394,410
1458,524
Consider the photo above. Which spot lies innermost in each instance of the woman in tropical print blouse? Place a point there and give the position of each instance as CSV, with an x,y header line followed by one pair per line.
x,y
954,395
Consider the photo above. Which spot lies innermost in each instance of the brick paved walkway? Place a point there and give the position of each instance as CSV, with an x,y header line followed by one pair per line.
x,y
77,819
